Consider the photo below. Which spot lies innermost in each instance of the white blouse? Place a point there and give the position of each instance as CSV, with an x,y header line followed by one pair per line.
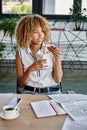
x,y
42,78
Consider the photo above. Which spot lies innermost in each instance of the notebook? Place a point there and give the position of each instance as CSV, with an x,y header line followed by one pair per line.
x,y
46,108
43,109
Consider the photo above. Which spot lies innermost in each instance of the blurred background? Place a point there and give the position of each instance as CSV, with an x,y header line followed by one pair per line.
x,y
68,21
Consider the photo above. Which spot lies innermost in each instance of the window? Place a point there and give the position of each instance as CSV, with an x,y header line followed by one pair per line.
x,y
51,9
16,6
84,4
57,7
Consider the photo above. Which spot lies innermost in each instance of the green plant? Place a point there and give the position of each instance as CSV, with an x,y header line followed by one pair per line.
x,y
7,26
78,16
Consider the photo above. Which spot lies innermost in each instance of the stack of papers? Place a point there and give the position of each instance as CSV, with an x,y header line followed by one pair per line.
x,y
74,104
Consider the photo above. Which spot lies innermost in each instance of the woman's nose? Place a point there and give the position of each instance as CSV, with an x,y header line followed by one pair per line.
x,y
40,33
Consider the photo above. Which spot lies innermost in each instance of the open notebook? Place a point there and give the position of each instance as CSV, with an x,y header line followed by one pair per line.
x,y
46,108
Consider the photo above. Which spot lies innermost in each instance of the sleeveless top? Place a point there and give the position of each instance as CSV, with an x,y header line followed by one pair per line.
x,y
42,78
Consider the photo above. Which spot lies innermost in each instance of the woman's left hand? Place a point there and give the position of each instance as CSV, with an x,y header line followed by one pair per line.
x,y
56,51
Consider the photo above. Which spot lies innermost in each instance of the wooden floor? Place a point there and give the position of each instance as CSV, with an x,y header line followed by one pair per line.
x,y
73,80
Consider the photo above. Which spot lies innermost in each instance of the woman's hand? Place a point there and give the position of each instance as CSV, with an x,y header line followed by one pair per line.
x,y
57,68
56,51
39,65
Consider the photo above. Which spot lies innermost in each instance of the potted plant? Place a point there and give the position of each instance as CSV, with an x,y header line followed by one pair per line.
x,y
78,16
7,26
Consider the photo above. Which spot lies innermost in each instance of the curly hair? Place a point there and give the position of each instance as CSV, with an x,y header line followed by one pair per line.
x,y
27,25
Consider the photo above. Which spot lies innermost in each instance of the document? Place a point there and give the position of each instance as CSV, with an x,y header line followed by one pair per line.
x,y
69,124
60,98
75,105
76,110
45,108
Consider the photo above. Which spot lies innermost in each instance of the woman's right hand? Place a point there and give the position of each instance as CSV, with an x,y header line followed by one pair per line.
x,y
39,65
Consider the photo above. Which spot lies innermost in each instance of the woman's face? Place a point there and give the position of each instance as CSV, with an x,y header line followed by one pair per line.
x,y
37,36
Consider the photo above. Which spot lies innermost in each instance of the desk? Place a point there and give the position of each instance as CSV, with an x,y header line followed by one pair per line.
x,y
27,119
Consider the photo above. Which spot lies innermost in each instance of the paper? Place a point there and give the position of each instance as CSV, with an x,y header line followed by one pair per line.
x,y
69,124
60,98
74,104
77,110
58,108
43,109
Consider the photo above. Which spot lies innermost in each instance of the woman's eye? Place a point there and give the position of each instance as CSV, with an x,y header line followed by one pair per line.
x,y
35,32
38,32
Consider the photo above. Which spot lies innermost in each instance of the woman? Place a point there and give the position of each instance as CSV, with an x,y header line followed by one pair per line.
x,y
38,64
